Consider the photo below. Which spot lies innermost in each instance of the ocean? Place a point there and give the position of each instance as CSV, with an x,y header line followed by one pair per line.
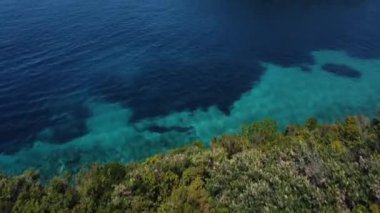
x,y
96,81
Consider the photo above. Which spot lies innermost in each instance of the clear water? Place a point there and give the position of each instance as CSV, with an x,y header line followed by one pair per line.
x,y
84,81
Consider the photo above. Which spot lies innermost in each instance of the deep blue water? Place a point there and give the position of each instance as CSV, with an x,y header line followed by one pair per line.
x,y
157,57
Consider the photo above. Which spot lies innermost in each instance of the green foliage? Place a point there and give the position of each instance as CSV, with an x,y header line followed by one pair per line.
x,y
350,130
231,144
264,131
314,167
311,124
192,198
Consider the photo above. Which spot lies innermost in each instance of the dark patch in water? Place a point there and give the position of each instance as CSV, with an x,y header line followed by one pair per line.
x,y
161,129
342,70
69,125
65,122
163,88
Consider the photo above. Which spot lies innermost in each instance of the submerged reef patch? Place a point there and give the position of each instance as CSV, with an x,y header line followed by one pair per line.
x,y
160,129
341,70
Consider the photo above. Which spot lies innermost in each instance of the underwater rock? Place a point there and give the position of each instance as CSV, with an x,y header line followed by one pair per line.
x,y
161,129
342,70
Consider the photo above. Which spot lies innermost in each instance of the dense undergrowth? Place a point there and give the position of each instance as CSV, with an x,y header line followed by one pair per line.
x,y
330,168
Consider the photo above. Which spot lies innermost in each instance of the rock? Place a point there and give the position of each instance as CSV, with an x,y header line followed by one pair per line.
x,y
342,70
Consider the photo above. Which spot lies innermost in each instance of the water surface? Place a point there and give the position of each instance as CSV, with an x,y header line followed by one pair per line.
x,y
84,81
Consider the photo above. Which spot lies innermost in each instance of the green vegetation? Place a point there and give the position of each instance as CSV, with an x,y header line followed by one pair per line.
x,y
328,168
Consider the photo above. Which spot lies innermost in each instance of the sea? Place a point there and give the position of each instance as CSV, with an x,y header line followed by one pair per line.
x,y
96,81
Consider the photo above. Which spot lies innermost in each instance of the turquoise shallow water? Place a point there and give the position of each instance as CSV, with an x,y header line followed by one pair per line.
x,y
95,81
